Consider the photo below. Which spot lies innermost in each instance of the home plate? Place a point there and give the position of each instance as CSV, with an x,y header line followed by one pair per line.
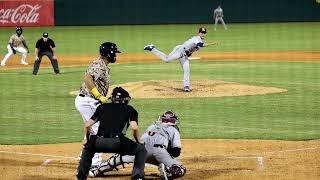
x,y
191,58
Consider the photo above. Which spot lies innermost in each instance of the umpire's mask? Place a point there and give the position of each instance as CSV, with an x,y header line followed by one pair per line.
x,y
120,95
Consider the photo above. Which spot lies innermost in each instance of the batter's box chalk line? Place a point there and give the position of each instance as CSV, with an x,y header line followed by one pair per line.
x,y
260,159
47,161
257,156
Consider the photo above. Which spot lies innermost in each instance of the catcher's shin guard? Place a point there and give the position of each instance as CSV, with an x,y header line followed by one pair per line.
x,y
111,163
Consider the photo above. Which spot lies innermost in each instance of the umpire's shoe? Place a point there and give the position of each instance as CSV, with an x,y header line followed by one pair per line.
x,y
149,47
138,178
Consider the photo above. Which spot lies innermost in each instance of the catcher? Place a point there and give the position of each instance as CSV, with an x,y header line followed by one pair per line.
x,y
163,144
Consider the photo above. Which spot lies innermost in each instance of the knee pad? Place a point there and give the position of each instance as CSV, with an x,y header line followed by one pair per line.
x,y
177,171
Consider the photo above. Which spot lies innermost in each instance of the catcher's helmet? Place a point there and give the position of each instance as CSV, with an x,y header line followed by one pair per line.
x,y
109,50
19,30
169,116
120,95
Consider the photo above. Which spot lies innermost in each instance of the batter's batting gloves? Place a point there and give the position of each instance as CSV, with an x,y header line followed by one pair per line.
x,y
103,99
98,96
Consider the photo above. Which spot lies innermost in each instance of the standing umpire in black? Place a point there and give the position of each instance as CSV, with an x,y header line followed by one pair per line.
x,y
114,118
45,46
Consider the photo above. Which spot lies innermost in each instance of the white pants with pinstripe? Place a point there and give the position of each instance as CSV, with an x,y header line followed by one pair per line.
x,y
86,107
21,50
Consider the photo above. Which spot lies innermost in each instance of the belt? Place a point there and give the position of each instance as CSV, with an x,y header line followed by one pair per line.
x,y
82,95
160,146
109,135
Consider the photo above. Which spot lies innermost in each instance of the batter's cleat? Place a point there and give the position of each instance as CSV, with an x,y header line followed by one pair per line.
x,y
186,89
149,47
3,64
24,63
163,173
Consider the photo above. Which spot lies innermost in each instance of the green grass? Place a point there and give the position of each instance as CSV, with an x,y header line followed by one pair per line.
x,y
38,109
131,39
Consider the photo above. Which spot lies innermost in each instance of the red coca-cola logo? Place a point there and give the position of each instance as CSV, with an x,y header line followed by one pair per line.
x,y
25,13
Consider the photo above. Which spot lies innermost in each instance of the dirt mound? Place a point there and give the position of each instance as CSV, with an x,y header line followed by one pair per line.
x,y
201,88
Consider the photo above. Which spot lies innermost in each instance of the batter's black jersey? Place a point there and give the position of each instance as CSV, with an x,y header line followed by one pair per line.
x,y
45,46
114,118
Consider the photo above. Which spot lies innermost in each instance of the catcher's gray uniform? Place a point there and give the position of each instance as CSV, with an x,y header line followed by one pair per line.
x,y
218,16
162,142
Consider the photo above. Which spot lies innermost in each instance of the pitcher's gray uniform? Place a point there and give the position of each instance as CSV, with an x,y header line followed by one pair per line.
x,y
218,16
162,142
14,46
182,52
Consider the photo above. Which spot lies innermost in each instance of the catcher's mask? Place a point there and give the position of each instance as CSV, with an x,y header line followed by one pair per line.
x,y
19,30
169,117
120,95
109,50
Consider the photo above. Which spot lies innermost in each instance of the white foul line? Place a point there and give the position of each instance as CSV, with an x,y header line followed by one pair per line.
x,y
249,156
258,156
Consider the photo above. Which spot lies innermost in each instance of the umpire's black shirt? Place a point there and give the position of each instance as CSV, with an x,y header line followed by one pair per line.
x,y
114,118
45,46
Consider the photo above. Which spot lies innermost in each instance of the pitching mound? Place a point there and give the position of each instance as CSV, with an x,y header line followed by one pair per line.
x,y
200,88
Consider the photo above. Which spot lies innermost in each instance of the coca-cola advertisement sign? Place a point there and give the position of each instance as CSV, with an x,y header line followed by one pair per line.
x,y
26,13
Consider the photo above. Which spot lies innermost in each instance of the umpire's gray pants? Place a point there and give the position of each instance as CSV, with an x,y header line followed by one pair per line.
x,y
37,62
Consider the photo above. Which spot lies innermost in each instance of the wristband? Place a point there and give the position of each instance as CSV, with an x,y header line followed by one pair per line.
x,y
96,93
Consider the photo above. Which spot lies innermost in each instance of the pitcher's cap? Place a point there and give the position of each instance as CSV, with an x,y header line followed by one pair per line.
x,y
203,30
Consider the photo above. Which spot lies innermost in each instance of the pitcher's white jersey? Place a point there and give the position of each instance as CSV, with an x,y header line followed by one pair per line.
x,y
192,45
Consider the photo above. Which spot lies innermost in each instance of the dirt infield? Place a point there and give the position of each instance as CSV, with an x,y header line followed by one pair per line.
x,y
267,56
204,159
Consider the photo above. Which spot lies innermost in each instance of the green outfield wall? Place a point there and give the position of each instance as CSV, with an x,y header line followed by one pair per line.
x,y
112,12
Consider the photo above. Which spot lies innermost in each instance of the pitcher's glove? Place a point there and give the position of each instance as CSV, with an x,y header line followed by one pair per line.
x,y
174,152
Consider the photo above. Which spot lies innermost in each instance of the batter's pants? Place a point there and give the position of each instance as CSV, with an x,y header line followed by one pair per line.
x,y
87,106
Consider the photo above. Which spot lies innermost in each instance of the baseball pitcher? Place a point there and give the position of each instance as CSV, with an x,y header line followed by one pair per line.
x,y
182,52
163,144
94,89
218,16
14,46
